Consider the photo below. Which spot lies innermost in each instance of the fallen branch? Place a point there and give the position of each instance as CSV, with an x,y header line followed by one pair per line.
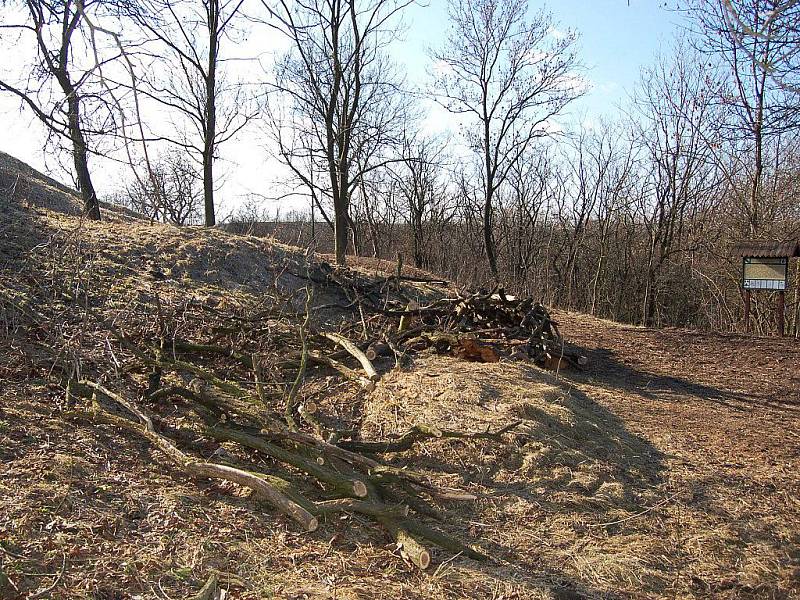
x,y
417,433
348,486
291,398
372,374
194,467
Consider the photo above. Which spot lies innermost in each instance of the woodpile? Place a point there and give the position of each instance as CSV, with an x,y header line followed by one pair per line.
x,y
481,326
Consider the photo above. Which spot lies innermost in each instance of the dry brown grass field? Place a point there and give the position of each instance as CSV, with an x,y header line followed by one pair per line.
x,y
667,468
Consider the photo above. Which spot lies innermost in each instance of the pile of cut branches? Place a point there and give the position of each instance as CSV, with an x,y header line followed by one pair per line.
x,y
481,326
232,390
241,390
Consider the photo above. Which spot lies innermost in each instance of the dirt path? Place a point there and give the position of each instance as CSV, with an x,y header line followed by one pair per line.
x,y
725,412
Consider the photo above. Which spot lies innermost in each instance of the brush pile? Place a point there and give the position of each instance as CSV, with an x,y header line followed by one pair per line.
x,y
230,389
481,326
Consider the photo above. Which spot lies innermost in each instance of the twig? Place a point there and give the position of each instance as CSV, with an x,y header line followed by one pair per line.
x,y
639,514
52,586
291,399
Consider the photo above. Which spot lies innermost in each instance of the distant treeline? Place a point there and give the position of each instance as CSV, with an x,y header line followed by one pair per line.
x,y
631,219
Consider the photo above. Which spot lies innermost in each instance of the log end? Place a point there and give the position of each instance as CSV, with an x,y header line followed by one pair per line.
x,y
312,524
359,489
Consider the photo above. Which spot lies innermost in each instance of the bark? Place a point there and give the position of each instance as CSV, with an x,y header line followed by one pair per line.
x,y
341,228
208,591
488,237
210,116
80,158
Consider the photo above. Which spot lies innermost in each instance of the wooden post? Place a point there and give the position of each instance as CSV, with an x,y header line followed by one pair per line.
x,y
781,312
747,310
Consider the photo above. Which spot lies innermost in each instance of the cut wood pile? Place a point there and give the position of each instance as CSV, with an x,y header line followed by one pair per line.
x,y
481,326
246,378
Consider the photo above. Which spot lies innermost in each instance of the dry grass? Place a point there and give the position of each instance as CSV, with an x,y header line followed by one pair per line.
x,y
667,469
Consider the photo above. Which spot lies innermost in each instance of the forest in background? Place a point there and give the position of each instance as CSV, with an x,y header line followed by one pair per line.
x,y
631,219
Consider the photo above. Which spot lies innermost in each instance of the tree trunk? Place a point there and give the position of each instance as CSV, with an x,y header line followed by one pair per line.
x,y
80,155
341,222
208,187
488,238
755,190
210,120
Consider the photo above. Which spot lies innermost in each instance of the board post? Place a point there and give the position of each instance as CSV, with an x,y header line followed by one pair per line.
x,y
747,310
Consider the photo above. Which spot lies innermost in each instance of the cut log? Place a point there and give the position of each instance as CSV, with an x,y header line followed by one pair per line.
x,y
441,539
405,319
377,350
409,546
365,508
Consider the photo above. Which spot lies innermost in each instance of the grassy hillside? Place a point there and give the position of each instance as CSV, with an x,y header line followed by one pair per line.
x,y
667,468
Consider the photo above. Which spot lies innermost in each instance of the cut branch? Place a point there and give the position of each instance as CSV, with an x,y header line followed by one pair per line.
x,y
372,374
195,467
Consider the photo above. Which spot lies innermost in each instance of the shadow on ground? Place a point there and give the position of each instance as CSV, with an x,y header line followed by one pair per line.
x,y
610,370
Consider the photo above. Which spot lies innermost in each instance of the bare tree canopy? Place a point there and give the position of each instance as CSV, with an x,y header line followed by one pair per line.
x,y
509,76
343,94
756,43
62,87
173,193
184,73
777,22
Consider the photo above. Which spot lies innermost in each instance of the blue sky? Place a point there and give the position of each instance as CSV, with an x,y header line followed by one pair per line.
x,y
616,41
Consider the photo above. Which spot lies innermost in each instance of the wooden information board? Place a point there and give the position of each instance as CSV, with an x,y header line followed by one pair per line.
x,y
765,273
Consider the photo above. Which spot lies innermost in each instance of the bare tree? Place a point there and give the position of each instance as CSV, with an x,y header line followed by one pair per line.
x,y
510,75
343,92
420,181
185,76
756,105
66,61
680,177
171,194
293,145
